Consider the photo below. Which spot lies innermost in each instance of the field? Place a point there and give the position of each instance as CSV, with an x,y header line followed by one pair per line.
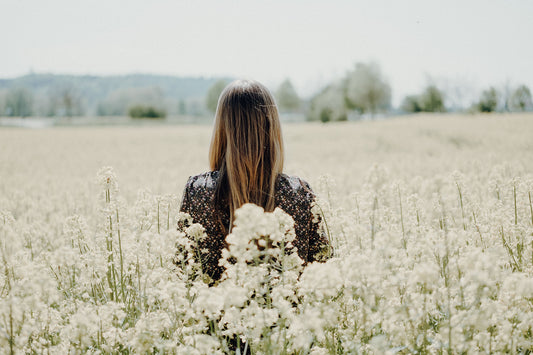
x,y
431,218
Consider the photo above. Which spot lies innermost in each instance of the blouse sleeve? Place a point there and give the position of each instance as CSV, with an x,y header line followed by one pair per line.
x,y
185,207
185,203
320,248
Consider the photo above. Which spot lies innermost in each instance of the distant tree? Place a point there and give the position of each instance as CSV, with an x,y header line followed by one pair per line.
x,y
140,111
504,96
328,105
286,97
68,100
3,94
182,107
213,94
412,104
432,100
366,90
520,99
65,100
488,101
118,102
19,102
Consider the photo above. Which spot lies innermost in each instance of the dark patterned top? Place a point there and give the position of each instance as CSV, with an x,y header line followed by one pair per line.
x,y
293,195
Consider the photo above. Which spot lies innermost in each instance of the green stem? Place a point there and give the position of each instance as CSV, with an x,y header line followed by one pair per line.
x,y
121,259
515,210
530,206
509,250
111,260
168,216
477,228
461,203
157,217
11,338
404,241
373,221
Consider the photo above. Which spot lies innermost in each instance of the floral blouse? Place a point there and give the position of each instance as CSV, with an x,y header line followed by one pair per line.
x,y
293,195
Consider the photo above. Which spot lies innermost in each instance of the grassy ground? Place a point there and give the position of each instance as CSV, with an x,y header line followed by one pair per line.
x,y
52,161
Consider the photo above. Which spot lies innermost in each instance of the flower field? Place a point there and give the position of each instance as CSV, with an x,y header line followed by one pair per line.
x,y
430,217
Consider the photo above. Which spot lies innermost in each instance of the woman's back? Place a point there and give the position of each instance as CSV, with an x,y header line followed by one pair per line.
x,y
292,195
246,162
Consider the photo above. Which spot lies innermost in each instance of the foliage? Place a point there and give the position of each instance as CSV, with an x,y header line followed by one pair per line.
x,y
412,104
521,99
328,105
431,100
65,100
211,100
19,102
287,98
488,101
366,89
140,111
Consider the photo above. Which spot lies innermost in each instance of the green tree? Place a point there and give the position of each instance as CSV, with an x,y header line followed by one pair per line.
x,y
411,103
328,105
488,101
213,94
432,100
287,98
19,102
366,90
520,99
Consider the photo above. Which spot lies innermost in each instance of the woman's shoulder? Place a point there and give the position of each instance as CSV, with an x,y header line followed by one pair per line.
x,y
206,180
286,184
294,184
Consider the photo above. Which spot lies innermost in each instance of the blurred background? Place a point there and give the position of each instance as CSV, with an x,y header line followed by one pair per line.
x,y
166,62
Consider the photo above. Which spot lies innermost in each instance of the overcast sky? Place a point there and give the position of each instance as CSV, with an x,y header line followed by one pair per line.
x,y
470,44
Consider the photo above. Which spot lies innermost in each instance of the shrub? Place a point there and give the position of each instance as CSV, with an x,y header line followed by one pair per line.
x,y
431,100
140,111
488,101
411,103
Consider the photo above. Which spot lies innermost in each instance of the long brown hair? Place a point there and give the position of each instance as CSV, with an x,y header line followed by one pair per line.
x,y
246,147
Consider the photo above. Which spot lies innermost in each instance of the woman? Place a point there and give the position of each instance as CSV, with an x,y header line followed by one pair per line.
x,y
246,159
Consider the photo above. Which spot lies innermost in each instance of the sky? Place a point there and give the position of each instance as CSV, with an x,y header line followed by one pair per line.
x,y
462,46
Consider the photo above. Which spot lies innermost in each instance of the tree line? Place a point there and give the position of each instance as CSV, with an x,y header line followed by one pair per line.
x,y
49,95
364,91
